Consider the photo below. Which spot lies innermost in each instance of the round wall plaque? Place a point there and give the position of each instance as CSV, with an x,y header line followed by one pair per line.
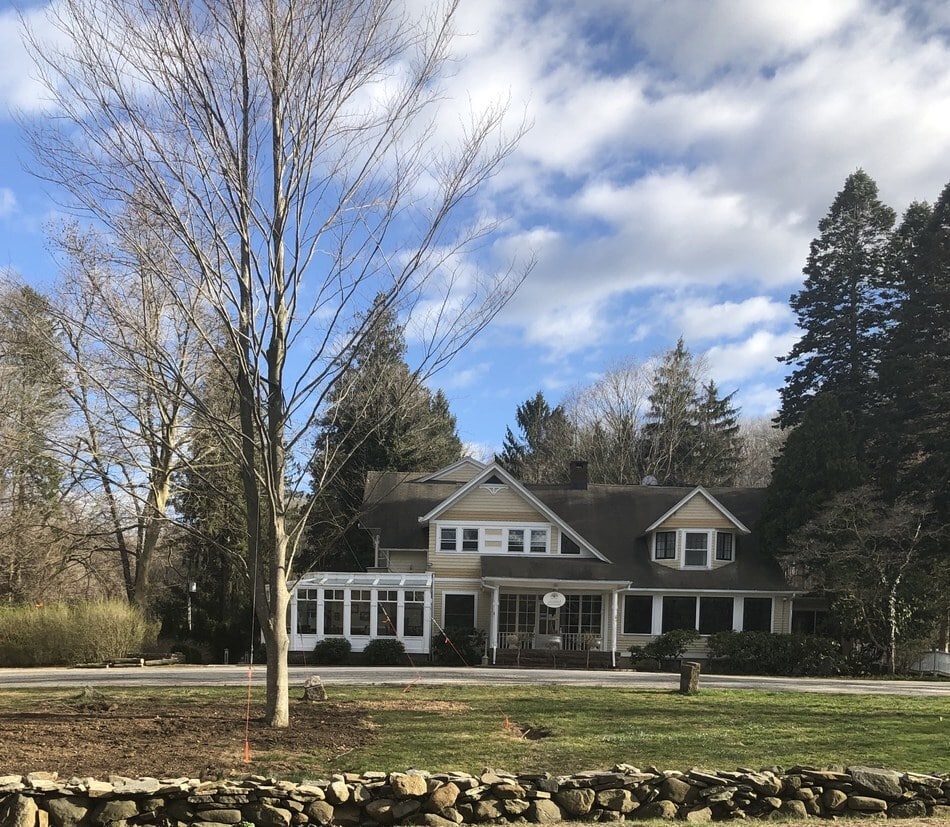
x,y
554,600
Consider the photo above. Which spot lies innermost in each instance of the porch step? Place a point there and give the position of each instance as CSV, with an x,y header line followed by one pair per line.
x,y
554,659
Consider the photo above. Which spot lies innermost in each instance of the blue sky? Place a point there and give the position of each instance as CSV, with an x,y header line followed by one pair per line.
x,y
681,155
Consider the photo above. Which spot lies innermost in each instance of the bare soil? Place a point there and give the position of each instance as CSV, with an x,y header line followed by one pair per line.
x,y
146,737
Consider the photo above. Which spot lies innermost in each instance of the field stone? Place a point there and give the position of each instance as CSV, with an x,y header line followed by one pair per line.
x,y
338,792
266,815
18,811
381,810
442,797
621,801
664,810
675,790
700,816
408,786
118,809
405,808
866,804
907,809
221,816
319,811
432,820
877,783
544,811
576,802
514,807
66,812
793,808
487,809
834,800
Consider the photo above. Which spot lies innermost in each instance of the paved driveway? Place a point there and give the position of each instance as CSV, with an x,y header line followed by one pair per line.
x,y
397,676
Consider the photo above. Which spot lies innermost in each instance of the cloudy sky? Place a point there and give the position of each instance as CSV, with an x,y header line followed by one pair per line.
x,y
681,155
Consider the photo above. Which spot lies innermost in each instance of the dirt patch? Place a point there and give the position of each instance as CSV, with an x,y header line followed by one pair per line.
x,y
528,732
143,736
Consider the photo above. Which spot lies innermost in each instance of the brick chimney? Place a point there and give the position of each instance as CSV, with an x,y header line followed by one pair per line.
x,y
578,474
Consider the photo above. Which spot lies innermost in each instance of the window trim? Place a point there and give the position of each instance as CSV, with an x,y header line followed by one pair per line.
x,y
529,531
699,533
672,556
460,593
731,550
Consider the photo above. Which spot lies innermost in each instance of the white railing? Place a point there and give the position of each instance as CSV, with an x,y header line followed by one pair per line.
x,y
564,641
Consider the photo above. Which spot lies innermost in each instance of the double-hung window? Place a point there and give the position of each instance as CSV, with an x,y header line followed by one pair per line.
x,y
521,540
696,549
458,539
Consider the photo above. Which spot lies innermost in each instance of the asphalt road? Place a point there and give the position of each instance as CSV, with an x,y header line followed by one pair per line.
x,y
53,678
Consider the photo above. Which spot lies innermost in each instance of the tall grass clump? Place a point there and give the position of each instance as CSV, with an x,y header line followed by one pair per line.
x,y
61,634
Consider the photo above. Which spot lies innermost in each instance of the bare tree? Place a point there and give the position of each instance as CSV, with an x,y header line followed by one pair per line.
x,y
877,554
608,417
293,151
761,442
130,349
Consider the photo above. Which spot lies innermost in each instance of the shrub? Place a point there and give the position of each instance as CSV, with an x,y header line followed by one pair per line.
x,y
765,653
666,647
385,651
61,634
459,646
332,650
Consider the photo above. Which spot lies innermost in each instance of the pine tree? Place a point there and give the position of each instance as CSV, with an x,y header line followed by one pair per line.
x,y
670,430
717,447
915,377
842,308
818,461
542,453
381,417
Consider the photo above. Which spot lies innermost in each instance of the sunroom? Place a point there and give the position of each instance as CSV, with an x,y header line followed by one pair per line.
x,y
362,607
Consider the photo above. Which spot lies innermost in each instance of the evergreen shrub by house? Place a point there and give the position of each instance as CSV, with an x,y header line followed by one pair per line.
x,y
61,634
332,650
385,651
459,646
669,646
764,653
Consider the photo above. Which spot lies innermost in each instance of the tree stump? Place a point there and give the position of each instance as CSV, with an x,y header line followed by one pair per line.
x,y
689,677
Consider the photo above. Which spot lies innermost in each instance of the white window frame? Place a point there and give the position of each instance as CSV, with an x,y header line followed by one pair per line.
x,y
698,532
528,529
732,546
450,592
675,543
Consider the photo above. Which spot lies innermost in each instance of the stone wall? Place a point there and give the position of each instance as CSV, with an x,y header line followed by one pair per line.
x,y
448,799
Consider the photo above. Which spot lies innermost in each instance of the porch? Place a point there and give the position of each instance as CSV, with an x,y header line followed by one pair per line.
x,y
535,623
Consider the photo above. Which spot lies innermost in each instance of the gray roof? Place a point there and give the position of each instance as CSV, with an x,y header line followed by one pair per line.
x,y
613,518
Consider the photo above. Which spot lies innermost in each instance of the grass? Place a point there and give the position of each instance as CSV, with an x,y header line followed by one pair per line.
x,y
593,728
464,728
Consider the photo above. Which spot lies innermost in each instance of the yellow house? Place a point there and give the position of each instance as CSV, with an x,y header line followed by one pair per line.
x,y
560,568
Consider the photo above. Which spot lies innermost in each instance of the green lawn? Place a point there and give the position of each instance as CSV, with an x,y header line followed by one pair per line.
x,y
592,728
464,728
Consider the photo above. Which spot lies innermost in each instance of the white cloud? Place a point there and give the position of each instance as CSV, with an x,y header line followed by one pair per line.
x,y
19,87
734,362
7,202
701,321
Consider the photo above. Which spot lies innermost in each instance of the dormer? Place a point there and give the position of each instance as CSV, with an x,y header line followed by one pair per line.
x,y
698,533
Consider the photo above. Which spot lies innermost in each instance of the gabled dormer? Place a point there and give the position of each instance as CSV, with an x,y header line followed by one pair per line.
x,y
493,513
695,534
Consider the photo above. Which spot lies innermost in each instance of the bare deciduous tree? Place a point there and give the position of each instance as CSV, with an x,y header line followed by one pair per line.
x,y
292,150
130,350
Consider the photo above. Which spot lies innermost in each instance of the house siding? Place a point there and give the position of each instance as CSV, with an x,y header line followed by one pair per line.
x,y
502,506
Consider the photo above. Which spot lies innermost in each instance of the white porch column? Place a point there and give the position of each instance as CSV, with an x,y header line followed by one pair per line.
x,y
294,637
493,624
614,614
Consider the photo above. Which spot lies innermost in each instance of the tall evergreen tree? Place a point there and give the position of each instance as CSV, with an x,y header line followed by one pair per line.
x,y
34,411
542,453
214,553
842,309
915,377
381,417
716,451
818,461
